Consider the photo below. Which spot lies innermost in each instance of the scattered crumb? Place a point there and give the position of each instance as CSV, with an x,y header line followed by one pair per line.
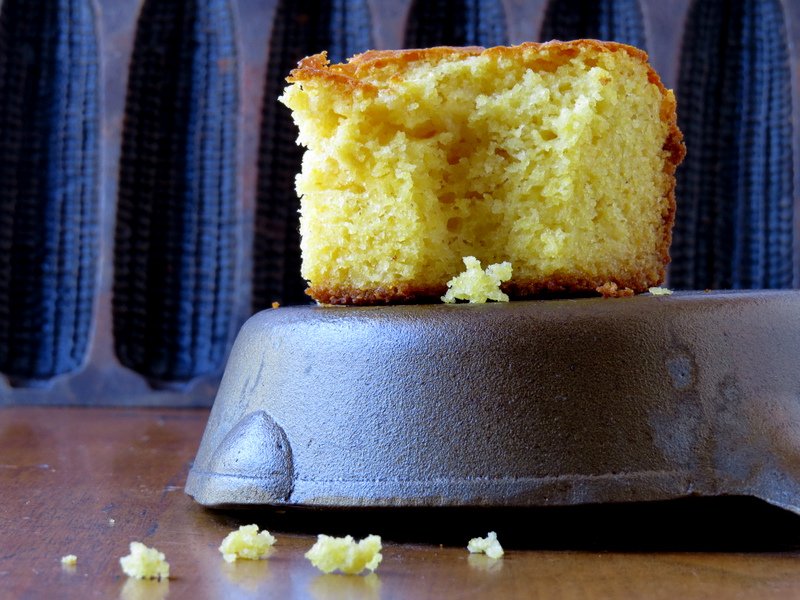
x,y
144,563
477,285
276,305
488,545
345,554
112,522
70,560
246,542
660,291
611,290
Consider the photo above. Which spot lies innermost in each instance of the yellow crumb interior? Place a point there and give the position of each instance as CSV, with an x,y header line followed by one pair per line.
x,y
144,563
476,285
70,560
553,163
488,545
246,542
330,554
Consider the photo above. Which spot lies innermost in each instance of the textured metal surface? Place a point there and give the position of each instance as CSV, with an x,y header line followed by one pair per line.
x,y
536,403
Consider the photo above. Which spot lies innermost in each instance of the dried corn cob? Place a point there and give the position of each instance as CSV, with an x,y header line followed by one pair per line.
x,y
300,28
176,221
456,23
612,20
48,185
735,219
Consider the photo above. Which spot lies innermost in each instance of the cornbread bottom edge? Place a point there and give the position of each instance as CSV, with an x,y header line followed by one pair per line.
x,y
517,289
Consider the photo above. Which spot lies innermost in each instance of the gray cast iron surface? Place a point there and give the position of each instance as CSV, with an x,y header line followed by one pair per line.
x,y
538,403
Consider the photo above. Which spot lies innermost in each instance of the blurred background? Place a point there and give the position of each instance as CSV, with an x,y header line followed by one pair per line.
x,y
147,202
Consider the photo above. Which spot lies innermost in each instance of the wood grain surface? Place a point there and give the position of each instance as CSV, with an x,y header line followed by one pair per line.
x,y
89,481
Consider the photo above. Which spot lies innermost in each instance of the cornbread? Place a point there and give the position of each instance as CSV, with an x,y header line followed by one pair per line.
x,y
70,560
660,291
558,158
488,545
476,285
246,542
144,563
329,554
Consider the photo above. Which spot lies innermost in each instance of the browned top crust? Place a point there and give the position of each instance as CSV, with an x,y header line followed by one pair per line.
x,y
354,75
354,72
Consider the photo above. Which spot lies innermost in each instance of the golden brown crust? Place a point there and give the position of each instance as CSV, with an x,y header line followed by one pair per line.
x,y
560,285
355,70
399,294
352,75
676,151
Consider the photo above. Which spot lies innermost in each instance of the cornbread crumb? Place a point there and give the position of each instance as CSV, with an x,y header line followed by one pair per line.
x,y
70,560
276,305
144,563
329,554
246,542
488,545
612,290
477,285
660,291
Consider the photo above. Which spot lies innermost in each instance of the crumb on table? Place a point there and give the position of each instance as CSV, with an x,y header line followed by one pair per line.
x,y
246,542
329,554
488,545
144,563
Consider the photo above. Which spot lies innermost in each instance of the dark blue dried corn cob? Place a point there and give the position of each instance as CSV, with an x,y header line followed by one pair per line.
x,y
48,185
611,20
735,217
175,248
300,28
456,23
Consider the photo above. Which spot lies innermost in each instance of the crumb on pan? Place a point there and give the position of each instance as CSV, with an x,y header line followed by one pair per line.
x,y
612,290
476,285
246,542
144,563
70,560
330,554
660,291
488,545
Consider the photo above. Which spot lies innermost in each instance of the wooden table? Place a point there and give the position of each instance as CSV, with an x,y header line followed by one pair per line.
x,y
89,481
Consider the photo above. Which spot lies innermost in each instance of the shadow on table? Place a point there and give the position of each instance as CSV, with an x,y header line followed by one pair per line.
x,y
694,524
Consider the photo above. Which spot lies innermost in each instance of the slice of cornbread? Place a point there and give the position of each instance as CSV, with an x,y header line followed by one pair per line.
x,y
558,158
